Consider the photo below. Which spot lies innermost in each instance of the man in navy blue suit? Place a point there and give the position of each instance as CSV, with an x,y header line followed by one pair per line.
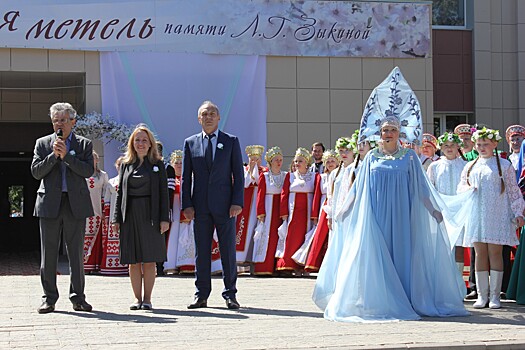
x,y
212,194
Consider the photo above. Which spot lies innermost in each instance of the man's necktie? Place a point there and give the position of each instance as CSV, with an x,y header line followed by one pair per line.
x,y
208,155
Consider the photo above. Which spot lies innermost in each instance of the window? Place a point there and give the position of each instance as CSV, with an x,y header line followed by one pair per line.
x,y
448,13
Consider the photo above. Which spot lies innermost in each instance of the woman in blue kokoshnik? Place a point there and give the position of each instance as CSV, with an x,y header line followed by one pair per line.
x,y
389,256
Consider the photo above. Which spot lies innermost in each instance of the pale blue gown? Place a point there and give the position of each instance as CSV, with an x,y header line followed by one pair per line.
x,y
388,259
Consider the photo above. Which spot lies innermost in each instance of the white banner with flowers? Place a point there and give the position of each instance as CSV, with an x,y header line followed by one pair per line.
x,y
254,27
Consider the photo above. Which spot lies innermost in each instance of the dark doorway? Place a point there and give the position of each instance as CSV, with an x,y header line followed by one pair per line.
x,y
19,230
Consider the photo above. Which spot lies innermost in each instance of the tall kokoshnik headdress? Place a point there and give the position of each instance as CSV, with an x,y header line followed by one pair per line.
x,y
392,102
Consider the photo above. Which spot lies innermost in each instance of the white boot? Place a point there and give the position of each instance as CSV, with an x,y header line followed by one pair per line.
x,y
461,267
482,286
496,277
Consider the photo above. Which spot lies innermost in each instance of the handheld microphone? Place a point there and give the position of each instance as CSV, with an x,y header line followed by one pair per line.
x,y
60,134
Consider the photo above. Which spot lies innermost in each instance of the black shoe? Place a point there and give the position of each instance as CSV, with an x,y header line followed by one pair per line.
x,y
472,295
82,306
232,304
198,303
45,308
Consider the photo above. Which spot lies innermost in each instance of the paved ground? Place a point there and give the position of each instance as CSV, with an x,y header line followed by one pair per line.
x,y
277,313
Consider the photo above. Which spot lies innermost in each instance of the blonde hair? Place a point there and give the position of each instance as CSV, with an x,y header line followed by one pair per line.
x,y
130,156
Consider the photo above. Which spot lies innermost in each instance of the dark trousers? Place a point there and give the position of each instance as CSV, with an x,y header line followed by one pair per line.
x,y
73,230
204,226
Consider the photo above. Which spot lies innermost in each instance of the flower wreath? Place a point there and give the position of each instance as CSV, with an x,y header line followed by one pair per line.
x,y
485,133
449,137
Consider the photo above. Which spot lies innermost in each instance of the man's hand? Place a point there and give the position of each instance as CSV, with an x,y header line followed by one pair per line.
x,y
189,213
315,221
235,210
116,227
59,148
164,226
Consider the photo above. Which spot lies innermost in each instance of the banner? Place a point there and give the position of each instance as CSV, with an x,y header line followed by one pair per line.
x,y
247,27
164,91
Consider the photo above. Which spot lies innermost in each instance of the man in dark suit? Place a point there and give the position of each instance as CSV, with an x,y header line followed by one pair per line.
x,y
62,161
212,194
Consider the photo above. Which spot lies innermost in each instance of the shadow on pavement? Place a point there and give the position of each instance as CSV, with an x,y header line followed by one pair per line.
x,y
510,314
204,312
280,312
139,317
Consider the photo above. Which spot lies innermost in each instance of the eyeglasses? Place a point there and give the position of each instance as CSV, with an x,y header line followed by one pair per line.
x,y
60,121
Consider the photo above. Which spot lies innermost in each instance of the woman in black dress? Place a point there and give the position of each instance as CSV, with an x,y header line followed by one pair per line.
x,y
142,213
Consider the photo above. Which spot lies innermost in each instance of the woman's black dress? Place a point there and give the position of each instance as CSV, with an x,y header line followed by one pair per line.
x,y
140,240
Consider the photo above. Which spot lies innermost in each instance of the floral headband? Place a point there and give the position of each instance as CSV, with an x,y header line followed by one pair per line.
x,y
346,142
449,137
485,133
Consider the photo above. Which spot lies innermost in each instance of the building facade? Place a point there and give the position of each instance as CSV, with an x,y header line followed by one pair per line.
x,y
475,73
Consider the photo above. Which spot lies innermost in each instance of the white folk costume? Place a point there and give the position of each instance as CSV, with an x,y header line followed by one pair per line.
x,y
492,211
296,203
93,233
110,264
514,158
170,265
185,259
445,175
266,236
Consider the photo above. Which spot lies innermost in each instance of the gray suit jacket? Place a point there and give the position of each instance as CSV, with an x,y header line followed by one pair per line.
x,y
46,167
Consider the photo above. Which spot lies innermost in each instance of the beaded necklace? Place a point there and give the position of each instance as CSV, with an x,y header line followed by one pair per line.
x,y
276,180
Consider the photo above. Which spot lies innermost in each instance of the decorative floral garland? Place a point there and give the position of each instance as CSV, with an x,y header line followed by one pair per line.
x,y
96,126
485,133
449,137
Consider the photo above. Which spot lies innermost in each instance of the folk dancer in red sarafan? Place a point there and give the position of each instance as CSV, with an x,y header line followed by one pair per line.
x,y
247,220
268,213
110,264
313,249
296,207
93,233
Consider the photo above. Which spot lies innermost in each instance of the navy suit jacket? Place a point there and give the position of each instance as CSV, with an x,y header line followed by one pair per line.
x,y
212,191
46,167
